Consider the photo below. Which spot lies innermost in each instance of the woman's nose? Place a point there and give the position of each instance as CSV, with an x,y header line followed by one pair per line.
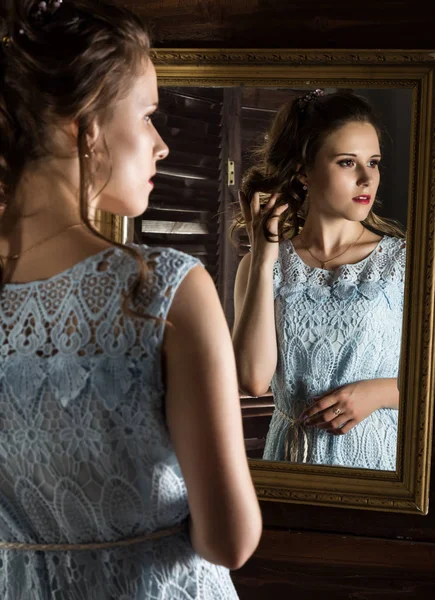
x,y
364,178
161,150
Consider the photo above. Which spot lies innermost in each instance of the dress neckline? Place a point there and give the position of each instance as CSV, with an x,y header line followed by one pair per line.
x,y
65,272
360,263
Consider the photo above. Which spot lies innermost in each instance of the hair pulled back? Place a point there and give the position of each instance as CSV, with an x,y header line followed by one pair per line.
x,y
290,148
70,62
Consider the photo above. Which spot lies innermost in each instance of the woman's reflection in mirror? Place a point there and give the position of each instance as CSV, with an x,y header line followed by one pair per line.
x,y
319,299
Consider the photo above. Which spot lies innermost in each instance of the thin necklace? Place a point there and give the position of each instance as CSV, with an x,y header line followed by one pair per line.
x,y
325,262
17,256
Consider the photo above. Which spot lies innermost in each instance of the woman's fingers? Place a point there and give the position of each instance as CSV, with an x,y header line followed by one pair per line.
x,y
255,206
272,221
328,418
254,209
278,211
317,408
336,423
252,213
244,207
271,202
345,429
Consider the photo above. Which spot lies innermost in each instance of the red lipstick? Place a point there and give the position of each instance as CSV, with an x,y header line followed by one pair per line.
x,y
362,199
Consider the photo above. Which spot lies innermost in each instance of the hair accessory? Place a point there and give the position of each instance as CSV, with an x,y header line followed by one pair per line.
x,y
46,7
302,102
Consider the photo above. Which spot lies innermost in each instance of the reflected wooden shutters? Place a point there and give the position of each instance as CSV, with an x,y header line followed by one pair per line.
x,y
184,206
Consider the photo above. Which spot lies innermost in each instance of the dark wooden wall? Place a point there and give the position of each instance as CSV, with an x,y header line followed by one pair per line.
x,y
290,23
309,552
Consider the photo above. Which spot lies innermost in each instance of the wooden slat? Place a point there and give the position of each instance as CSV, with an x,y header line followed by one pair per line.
x,y
190,157
177,140
196,126
193,184
172,101
213,95
177,213
174,227
185,200
188,172
183,241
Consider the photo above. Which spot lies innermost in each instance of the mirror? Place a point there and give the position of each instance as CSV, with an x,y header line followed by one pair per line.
x,y
226,124
214,107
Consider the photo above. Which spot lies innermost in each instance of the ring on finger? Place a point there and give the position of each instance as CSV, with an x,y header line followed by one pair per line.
x,y
337,411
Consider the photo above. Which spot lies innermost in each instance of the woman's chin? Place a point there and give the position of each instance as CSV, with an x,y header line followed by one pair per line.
x,y
119,208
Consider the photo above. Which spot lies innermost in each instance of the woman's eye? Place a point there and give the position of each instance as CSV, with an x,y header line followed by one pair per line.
x,y
347,162
374,163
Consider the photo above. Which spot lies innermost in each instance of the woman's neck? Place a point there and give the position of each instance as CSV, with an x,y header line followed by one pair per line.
x,y
45,199
326,236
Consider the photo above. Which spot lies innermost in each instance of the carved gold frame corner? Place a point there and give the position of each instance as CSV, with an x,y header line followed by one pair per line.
x,y
406,489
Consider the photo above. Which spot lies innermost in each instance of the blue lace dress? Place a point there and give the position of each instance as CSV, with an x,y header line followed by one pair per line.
x,y
85,454
334,328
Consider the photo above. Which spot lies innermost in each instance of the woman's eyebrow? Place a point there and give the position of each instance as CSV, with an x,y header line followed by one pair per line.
x,y
354,155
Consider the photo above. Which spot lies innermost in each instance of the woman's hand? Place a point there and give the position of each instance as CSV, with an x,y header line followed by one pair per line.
x,y
261,248
339,411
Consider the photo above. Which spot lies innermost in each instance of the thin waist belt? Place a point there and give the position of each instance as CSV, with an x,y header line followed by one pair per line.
x,y
295,430
155,535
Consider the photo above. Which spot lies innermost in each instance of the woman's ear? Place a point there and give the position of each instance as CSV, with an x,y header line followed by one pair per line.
x,y
301,176
93,136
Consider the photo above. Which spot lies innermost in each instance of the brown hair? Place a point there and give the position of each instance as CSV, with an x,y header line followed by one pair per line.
x,y
291,146
69,63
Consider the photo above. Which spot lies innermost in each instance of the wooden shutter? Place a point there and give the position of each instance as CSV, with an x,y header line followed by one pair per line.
x,y
183,208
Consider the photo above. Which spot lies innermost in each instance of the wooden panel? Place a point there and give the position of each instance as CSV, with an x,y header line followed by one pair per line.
x,y
313,566
284,24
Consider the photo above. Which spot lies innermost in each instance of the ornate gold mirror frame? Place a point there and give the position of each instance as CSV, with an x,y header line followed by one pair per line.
x,y
405,490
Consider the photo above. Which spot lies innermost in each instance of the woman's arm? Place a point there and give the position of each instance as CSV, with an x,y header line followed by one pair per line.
x,y
254,336
205,424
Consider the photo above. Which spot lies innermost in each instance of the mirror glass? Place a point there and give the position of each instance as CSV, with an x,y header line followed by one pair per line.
x,y
211,133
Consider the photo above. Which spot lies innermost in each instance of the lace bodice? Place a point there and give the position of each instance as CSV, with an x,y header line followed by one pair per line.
x,y
85,452
333,328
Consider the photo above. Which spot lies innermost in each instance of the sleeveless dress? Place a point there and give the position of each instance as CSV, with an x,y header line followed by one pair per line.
x,y
335,328
85,454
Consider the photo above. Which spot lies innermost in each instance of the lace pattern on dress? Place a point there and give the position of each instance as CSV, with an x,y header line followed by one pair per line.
x,y
85,452
334,328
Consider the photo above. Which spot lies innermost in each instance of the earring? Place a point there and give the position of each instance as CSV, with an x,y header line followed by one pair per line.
x,y
304,187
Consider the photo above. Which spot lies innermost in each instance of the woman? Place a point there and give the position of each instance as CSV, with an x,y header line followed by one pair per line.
x,y
320,312
118,392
